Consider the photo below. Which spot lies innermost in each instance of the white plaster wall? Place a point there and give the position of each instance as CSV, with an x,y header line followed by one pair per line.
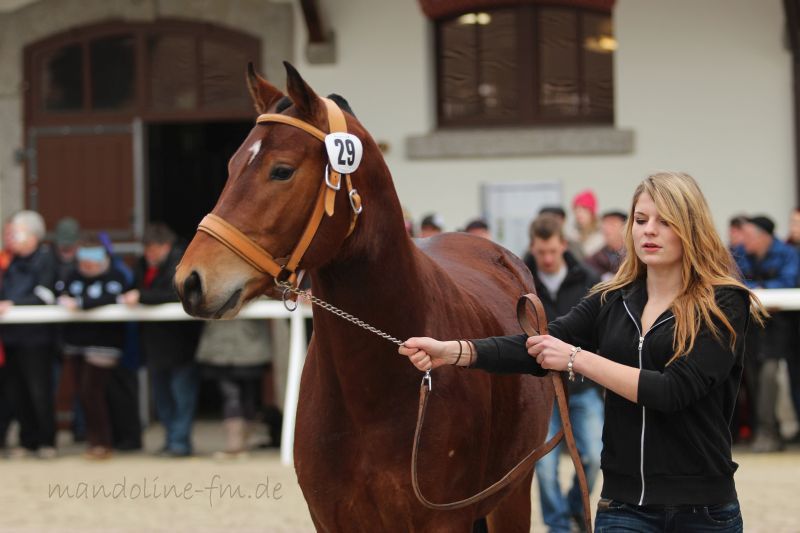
x,y
705,85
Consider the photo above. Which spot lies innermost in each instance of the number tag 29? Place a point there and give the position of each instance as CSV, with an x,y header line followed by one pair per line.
x,y
344,151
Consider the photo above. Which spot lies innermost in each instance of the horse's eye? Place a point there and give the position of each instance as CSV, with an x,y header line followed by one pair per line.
x,y
281,173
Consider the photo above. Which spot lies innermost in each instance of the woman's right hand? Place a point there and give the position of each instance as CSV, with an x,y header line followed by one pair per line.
x,y
426,353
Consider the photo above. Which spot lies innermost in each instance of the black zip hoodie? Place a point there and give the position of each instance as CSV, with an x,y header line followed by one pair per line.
x,y
673,447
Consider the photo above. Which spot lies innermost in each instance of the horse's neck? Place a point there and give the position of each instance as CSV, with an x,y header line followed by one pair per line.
x,y
382,290
379,284
376,274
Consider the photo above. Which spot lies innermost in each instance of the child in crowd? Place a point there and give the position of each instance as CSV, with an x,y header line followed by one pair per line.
x,y
96,346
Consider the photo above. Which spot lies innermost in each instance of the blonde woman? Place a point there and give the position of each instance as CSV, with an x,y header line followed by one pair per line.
x,y
670,326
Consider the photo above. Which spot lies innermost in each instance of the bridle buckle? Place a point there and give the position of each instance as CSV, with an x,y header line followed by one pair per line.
x,y
328,182
356,208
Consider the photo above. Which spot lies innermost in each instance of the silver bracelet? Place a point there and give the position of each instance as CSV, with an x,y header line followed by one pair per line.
x,y
572,354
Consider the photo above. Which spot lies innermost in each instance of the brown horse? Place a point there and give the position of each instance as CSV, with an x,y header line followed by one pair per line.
x,y
358,397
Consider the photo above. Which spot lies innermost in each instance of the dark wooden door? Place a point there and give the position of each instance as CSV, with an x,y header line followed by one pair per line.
x,y
86,172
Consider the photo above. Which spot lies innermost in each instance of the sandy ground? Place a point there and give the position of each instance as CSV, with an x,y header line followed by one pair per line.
x,y
141,492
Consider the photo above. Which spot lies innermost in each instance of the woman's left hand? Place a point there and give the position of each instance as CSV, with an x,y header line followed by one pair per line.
x,y
550,352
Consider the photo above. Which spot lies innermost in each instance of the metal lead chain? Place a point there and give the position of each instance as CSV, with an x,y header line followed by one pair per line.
x,y
338,312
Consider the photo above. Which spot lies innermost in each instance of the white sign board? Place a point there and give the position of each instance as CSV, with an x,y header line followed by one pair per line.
x,y
509,209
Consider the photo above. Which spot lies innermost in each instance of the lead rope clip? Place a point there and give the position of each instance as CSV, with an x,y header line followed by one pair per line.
x,y
427,381
286,300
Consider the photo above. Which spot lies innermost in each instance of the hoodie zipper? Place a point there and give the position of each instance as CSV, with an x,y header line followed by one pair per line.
x,y
641,343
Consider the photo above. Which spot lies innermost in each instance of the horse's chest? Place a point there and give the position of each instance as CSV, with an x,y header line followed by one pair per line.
x,y
348,489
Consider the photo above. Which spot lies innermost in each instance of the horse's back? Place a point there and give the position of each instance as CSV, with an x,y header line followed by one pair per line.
x,y
482,270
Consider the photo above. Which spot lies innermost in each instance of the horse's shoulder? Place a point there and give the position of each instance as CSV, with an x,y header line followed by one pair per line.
x,y
461,253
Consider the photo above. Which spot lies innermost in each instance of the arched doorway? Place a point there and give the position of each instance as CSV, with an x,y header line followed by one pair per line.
x,y
130,122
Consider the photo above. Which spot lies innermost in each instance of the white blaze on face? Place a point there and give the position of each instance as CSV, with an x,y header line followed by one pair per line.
x,y
254,151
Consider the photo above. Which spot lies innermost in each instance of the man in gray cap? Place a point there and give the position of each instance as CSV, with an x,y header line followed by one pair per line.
x,y
65,246
68,232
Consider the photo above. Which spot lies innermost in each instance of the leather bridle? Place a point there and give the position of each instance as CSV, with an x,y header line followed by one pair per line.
x,y
286,268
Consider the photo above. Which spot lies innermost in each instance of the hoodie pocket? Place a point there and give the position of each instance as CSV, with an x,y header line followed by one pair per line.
x,y
669,450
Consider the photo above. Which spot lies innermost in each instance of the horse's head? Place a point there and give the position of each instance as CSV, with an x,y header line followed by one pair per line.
x,y
276,214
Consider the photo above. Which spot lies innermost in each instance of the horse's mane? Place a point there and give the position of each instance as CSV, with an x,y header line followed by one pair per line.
x,y
286,102
342,103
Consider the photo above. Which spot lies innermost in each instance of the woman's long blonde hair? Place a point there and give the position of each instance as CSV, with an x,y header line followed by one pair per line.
x,y
706,262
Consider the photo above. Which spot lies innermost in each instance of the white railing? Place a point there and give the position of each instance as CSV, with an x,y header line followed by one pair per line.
x,y
780,299
266,309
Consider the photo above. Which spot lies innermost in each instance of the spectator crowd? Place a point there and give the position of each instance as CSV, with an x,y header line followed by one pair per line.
x,y
84,376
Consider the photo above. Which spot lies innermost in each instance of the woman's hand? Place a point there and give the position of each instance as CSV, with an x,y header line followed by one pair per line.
x,y
549,352
426,353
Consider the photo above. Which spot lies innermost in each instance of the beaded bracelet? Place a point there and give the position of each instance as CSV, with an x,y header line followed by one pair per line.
x,y
572,354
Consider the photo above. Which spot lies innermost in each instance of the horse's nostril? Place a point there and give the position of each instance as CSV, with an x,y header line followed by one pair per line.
x,y
193,289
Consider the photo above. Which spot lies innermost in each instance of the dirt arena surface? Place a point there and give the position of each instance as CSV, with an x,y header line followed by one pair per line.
x,y
142,492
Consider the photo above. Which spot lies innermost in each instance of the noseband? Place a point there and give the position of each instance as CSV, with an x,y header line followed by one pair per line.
x,y
285,268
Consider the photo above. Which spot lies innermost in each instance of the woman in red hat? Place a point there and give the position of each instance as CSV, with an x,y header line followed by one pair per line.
x,y
587,228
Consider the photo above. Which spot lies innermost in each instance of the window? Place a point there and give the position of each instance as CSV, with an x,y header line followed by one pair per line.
x,y
173,72
62,87
525,65
115,71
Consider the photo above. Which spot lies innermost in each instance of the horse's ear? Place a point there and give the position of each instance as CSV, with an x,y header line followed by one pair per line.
x,y
304,98
263,92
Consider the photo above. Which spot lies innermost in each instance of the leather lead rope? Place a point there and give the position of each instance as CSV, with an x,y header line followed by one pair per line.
x,y
561,397
521,468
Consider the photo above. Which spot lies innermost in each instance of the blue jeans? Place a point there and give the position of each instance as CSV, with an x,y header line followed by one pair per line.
x,y
617,516
586,415
175,395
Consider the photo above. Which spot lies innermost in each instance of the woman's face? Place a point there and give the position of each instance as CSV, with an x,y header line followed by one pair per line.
x,y
583,216
656,243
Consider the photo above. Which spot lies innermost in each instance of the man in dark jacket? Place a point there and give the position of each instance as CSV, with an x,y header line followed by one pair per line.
x,y
561,282
168,347
768,263
30,280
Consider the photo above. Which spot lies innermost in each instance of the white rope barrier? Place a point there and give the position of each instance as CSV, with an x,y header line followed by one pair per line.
x,y
260,309
774,299
25,314
780,299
